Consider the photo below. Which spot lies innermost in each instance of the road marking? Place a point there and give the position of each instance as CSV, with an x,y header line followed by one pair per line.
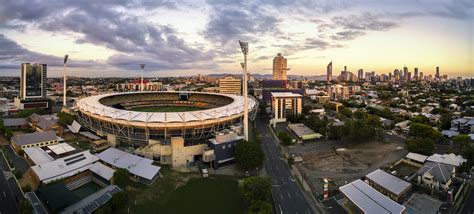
x,y
289,195
281,196
281,211
5,195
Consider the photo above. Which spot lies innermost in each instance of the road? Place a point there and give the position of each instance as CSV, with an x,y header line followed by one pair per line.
x,y
8,200
287,196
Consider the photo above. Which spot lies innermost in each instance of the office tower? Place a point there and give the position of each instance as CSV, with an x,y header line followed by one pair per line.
x,y
405,73
437,72
409,76
33,81
421,76
360,74
230,85
329,72
416,74
279,67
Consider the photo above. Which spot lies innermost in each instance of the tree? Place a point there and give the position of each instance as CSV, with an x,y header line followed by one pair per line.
x,y
421,146
121,177
256,192
25,206
420,119
248,155
8,133
423,131
119,200
65,118
462,141
317,124
445,121
285,138
346,112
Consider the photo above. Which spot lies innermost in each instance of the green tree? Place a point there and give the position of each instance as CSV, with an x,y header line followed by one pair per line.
x,y
248,155
421,146
121,178
255,189
285,138
346,112
445,121
317,124
423,131
65,118
8,133
260,207
119,200
25,206
462,141
420,119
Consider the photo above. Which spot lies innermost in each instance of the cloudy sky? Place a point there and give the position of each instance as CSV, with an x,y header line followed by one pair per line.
x,y
172,37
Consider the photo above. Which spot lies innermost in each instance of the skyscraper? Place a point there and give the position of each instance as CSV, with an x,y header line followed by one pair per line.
x,y
437,73
360,74
279,67
416,74
33,81
329,72
405,73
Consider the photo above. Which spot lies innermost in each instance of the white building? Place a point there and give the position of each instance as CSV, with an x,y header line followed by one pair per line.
x,y
284,105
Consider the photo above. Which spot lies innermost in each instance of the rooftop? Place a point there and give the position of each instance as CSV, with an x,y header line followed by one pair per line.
x,y
450,159
417,157
136,165
370,200
61,148
391,183
285,95
35,137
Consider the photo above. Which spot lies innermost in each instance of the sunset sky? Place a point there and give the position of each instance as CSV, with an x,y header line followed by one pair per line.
x,y
110,38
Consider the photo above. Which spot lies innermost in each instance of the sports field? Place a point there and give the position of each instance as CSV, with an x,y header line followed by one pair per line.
x,y
167,108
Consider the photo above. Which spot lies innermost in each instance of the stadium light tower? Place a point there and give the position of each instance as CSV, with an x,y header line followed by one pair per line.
x,y
64,80
142,66
245,50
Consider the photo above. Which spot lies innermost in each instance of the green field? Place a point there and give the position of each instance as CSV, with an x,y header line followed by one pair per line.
x,y
167,108
198,195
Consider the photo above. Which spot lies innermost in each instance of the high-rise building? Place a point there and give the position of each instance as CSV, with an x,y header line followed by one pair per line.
x,y
416,74
360,74
409,76
279,67
329,72
33,78
33,81
421,76
230,85
405,73
437,73
284,105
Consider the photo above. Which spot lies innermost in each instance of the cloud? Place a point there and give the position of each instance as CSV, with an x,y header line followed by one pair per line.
x,y
365,21
347,35
457,9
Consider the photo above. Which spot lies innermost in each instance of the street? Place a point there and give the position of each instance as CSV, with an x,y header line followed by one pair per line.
x,y
287,196
8,202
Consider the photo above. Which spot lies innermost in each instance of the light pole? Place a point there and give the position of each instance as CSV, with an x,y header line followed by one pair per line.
x,y
64,80
245,49
142,66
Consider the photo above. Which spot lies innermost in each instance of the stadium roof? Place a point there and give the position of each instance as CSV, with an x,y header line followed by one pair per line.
x,y
35,137
136,165
370,200
391,183
91,104
417,157
102,170
61,148
38,155
64,167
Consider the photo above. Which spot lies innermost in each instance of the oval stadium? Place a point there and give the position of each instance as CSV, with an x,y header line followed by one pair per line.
x,y
137,117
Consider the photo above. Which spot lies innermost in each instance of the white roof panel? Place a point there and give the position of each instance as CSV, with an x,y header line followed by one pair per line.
x,y
102,170
38,155
61,148
417,157
388,181
136,165
370,200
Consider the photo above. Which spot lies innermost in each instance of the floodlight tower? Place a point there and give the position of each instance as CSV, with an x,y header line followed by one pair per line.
x,y
245,49
64,80
142,66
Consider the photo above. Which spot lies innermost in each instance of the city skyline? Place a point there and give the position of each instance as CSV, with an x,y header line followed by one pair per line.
x,y
182,38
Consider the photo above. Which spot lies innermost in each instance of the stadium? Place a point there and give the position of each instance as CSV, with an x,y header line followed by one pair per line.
x,y
137,117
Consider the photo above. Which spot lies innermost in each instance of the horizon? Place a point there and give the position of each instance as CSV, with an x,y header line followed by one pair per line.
x,y
191,37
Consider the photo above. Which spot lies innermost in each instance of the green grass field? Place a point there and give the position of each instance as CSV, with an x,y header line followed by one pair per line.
x,y
167,108
198,195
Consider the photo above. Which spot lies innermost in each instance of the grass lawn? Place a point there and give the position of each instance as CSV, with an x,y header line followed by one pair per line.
x,y
167,108
185,193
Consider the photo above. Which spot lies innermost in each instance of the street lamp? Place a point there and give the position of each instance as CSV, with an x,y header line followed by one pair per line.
x,y
142,66
245,49
64,80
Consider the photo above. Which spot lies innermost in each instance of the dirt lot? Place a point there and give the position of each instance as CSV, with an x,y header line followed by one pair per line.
x,y
351,160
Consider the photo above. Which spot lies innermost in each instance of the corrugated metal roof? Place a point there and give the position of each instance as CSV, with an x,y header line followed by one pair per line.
x,y
35,137
136,165
388,181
